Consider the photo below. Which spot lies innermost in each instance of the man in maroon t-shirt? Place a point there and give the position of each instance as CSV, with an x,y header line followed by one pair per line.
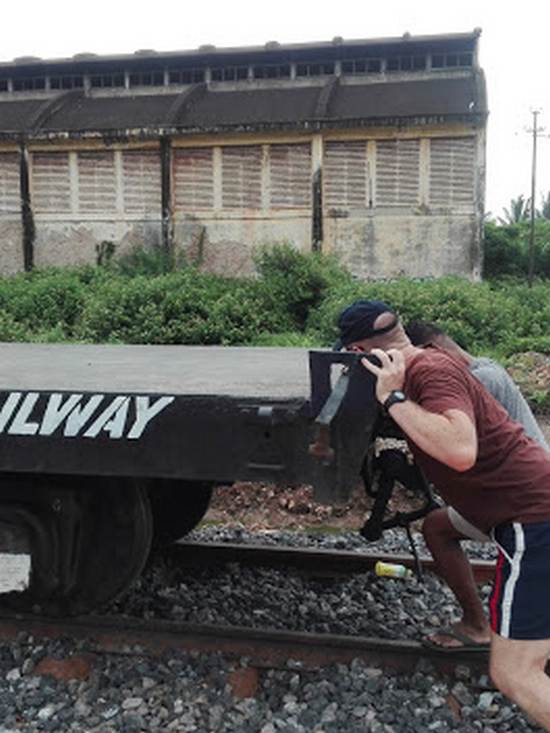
x,y
484,465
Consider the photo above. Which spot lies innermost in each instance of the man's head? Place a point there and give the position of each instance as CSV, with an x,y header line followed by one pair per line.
x,y
424,333
368,324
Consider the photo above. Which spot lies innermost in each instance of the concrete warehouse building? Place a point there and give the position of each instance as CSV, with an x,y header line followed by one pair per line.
x,y
370,149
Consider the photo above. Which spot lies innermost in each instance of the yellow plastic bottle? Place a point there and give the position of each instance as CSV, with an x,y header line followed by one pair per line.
x,y
390,570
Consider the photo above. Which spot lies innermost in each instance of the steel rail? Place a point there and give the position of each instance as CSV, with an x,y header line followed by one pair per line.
x,y
316,561
263,648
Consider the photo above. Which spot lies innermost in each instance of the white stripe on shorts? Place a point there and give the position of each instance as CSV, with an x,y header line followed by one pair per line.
x,y
508,596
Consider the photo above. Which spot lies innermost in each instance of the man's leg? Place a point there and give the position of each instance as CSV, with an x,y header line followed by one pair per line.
x,y
443,541
517,669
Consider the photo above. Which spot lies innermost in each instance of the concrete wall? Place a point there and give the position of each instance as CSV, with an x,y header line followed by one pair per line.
x,y
391,202
387,245
11,246
61,243
227,246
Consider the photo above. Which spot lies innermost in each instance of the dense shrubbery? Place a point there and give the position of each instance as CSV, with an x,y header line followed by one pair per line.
x,y
299,281
185,307
293,301
483,317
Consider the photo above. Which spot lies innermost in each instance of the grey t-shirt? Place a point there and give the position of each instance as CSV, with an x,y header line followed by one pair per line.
x,y
499,383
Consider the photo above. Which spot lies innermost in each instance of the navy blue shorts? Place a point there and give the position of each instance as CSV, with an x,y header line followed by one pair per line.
x,y
520,602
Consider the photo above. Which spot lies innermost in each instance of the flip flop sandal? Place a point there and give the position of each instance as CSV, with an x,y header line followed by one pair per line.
x,y
467,644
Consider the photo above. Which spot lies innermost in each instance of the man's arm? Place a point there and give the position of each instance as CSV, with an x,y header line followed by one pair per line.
x,y
450,437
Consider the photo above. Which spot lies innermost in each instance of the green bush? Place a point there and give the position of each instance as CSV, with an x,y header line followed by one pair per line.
x,y
141,260
481,317
294,300
186,307
43,300
12,330
298,281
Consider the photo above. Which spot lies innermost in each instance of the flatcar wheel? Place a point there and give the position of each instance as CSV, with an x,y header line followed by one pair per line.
x,y
93,541
177,507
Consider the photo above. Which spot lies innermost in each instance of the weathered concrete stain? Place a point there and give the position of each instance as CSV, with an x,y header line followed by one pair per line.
x,y
11,253
76,244
227,246
395,245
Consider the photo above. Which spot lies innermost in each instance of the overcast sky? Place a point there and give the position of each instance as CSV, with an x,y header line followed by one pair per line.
x,y
513,50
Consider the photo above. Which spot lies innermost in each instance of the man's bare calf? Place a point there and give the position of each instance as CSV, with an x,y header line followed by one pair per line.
x,y
443,541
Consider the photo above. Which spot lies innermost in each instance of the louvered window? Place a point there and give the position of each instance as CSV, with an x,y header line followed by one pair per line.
x,y
10,199
452,171
242,177
51,183
141,182
345,175
96,182
194,179
290,167
397,172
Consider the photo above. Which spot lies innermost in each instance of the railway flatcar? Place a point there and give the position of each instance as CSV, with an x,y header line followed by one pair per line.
x,y
107,449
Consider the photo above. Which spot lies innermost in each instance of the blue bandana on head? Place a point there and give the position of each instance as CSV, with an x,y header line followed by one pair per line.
x,y
356,322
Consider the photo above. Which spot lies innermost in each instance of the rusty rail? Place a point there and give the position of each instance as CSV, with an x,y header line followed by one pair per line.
x,y
263,648
316,561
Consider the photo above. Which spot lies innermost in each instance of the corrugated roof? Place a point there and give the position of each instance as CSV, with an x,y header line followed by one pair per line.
x,y
110,113
410,99
16,115
289,107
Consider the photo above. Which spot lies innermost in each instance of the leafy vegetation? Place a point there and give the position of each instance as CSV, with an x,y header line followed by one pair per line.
x,y
293,300
519,210
507,249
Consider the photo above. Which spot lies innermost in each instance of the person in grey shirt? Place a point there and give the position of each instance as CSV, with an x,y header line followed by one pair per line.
x,y
500,384
445,528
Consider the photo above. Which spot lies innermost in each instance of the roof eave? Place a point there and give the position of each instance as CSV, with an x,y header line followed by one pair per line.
x,y
207,52
310,125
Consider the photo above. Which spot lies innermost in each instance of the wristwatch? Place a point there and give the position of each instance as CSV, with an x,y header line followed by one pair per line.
x,y
394,396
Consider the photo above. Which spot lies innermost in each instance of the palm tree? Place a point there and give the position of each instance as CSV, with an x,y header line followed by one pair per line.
x,y
520,210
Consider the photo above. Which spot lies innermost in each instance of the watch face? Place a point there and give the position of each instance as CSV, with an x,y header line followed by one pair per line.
x,y
395,396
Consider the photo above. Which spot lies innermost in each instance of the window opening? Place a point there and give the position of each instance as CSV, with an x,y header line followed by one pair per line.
x,y
105,81
147,79
27,84
314,69
229,73
452,60
406,63
272,72
362,66
66,82
185,76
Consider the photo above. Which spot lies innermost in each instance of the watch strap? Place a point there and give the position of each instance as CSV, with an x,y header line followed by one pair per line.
x,y
394,396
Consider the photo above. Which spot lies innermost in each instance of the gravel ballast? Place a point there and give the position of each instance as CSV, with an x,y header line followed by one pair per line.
x,y
197,692
283,598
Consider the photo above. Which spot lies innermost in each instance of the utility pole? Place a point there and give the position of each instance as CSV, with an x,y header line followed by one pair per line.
x,y
535,130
